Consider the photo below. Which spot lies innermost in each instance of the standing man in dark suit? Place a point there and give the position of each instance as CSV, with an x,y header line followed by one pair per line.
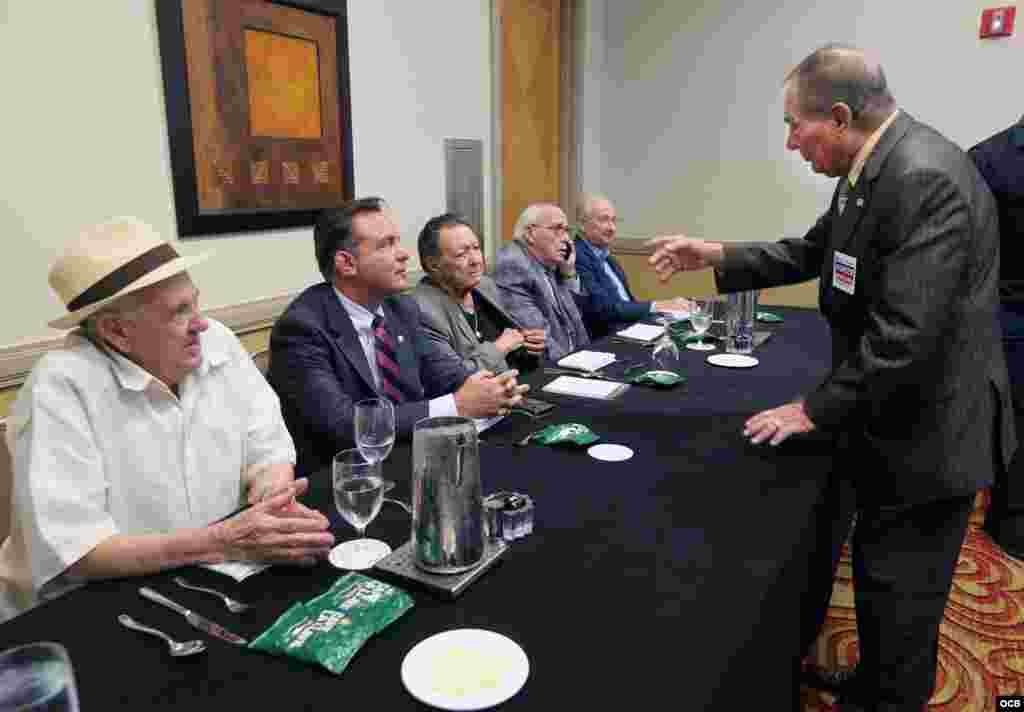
x,y
611,303
908,256
1000,158
353,337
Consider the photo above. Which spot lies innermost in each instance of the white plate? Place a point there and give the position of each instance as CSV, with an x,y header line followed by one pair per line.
x,y
465,669
609,452
733,360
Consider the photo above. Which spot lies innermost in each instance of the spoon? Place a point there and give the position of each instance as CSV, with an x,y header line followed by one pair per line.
x,y
233,605
178,650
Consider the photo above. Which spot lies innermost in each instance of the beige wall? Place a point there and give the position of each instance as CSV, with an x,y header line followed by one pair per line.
x,y
86,138
687,134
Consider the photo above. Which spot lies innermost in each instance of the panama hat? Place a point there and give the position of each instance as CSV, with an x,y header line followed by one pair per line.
x,y
110,260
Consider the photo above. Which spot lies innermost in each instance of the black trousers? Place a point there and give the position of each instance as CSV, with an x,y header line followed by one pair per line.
x,y
1005,519
903,564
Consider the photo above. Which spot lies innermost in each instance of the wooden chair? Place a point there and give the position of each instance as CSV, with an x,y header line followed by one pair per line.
x,y
262,360
6,479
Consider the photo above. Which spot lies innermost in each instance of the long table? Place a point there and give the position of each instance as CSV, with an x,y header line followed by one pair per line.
x,y
681,574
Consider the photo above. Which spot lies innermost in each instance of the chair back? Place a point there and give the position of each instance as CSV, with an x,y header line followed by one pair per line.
x,y
262,360
6,481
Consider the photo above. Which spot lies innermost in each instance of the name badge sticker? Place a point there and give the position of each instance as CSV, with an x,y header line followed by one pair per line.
x,y
844,272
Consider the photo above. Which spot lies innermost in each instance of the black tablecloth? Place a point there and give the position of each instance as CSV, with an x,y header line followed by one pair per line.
x,y
680,574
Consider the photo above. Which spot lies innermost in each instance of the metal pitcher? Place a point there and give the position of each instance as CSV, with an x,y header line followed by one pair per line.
x,y
447,503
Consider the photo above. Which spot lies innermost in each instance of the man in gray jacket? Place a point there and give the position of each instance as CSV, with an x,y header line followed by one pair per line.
x,y
459,306
536,277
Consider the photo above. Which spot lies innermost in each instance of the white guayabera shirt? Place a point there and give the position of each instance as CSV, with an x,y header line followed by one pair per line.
x,y
101,447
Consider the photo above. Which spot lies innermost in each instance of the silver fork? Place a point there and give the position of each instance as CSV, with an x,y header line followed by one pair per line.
x,y
233,605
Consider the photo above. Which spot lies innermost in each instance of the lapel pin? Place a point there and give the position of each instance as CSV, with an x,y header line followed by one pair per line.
x,y
860,202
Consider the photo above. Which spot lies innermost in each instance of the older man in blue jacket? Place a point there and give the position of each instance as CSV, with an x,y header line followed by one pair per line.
x,y
610,304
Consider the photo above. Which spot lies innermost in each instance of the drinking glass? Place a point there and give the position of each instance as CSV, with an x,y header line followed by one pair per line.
x,y
37,677
375,428
358,493
700,319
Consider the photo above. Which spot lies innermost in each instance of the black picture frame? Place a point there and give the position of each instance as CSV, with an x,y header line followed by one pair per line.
x,y
191,221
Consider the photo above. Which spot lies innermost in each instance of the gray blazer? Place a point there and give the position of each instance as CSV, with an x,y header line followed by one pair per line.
x,y
918,383
443,322
538,298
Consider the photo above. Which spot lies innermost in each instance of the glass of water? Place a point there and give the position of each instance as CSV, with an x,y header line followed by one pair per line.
x,y
375,428
700,319
358,493
37,677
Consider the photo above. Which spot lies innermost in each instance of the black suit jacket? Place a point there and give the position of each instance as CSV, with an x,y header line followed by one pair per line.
x,y
319,370
918,381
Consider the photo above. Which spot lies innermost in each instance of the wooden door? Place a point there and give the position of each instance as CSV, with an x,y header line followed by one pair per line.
x,y
531,105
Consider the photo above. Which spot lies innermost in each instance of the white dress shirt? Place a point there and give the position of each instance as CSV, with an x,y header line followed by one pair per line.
x,y
362,322
101,447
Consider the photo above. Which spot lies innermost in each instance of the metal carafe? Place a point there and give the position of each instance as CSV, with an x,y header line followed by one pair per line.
x,y
447,504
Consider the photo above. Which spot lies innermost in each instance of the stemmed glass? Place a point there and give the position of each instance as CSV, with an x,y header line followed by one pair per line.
x,y
358,493
375,435
375,428
37,676
700,319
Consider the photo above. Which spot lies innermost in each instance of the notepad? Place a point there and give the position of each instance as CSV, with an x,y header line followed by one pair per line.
x,y
585,387
642,332
587,360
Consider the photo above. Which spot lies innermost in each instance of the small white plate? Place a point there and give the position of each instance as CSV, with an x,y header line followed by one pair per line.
x,y
609,452
358,554
465,669
733,360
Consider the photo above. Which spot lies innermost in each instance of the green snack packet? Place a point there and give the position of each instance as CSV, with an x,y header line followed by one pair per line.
x,y
565,434
332,627
769,317
655,377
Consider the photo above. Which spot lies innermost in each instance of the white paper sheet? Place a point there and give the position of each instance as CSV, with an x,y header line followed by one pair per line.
x,y
587,360
642,332
238,570
585,387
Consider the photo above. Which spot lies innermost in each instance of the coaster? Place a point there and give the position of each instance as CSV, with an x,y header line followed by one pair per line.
x,y
733,360
609,452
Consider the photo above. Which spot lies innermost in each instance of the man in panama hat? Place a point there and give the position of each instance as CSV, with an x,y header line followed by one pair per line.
x,y
151,423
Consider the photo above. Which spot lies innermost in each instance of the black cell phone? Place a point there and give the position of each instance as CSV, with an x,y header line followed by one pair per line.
x,y
566,249
533,407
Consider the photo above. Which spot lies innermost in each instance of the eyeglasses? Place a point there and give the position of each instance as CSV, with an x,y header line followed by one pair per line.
x,y
560,228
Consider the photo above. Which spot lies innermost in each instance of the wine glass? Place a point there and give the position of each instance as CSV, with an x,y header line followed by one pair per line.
x,y
37,676
700,319
358,494
375,428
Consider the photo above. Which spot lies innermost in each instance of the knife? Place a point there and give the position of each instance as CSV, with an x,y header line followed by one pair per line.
x,y
194,619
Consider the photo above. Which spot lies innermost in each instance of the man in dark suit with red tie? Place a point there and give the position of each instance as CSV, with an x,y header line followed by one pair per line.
x,y
354,336
918,398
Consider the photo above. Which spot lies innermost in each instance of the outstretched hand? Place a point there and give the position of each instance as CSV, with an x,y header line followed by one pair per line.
x,y
778,424
677,253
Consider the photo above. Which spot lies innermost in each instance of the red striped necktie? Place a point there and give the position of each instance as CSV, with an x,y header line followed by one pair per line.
x,y
387,362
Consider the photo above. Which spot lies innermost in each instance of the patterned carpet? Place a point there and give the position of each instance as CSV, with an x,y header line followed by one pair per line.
x,y
981,645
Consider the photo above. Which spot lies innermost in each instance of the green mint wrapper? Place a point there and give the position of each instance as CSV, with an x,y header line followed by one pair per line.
x,y
654,377
331,628
565,434
769,317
